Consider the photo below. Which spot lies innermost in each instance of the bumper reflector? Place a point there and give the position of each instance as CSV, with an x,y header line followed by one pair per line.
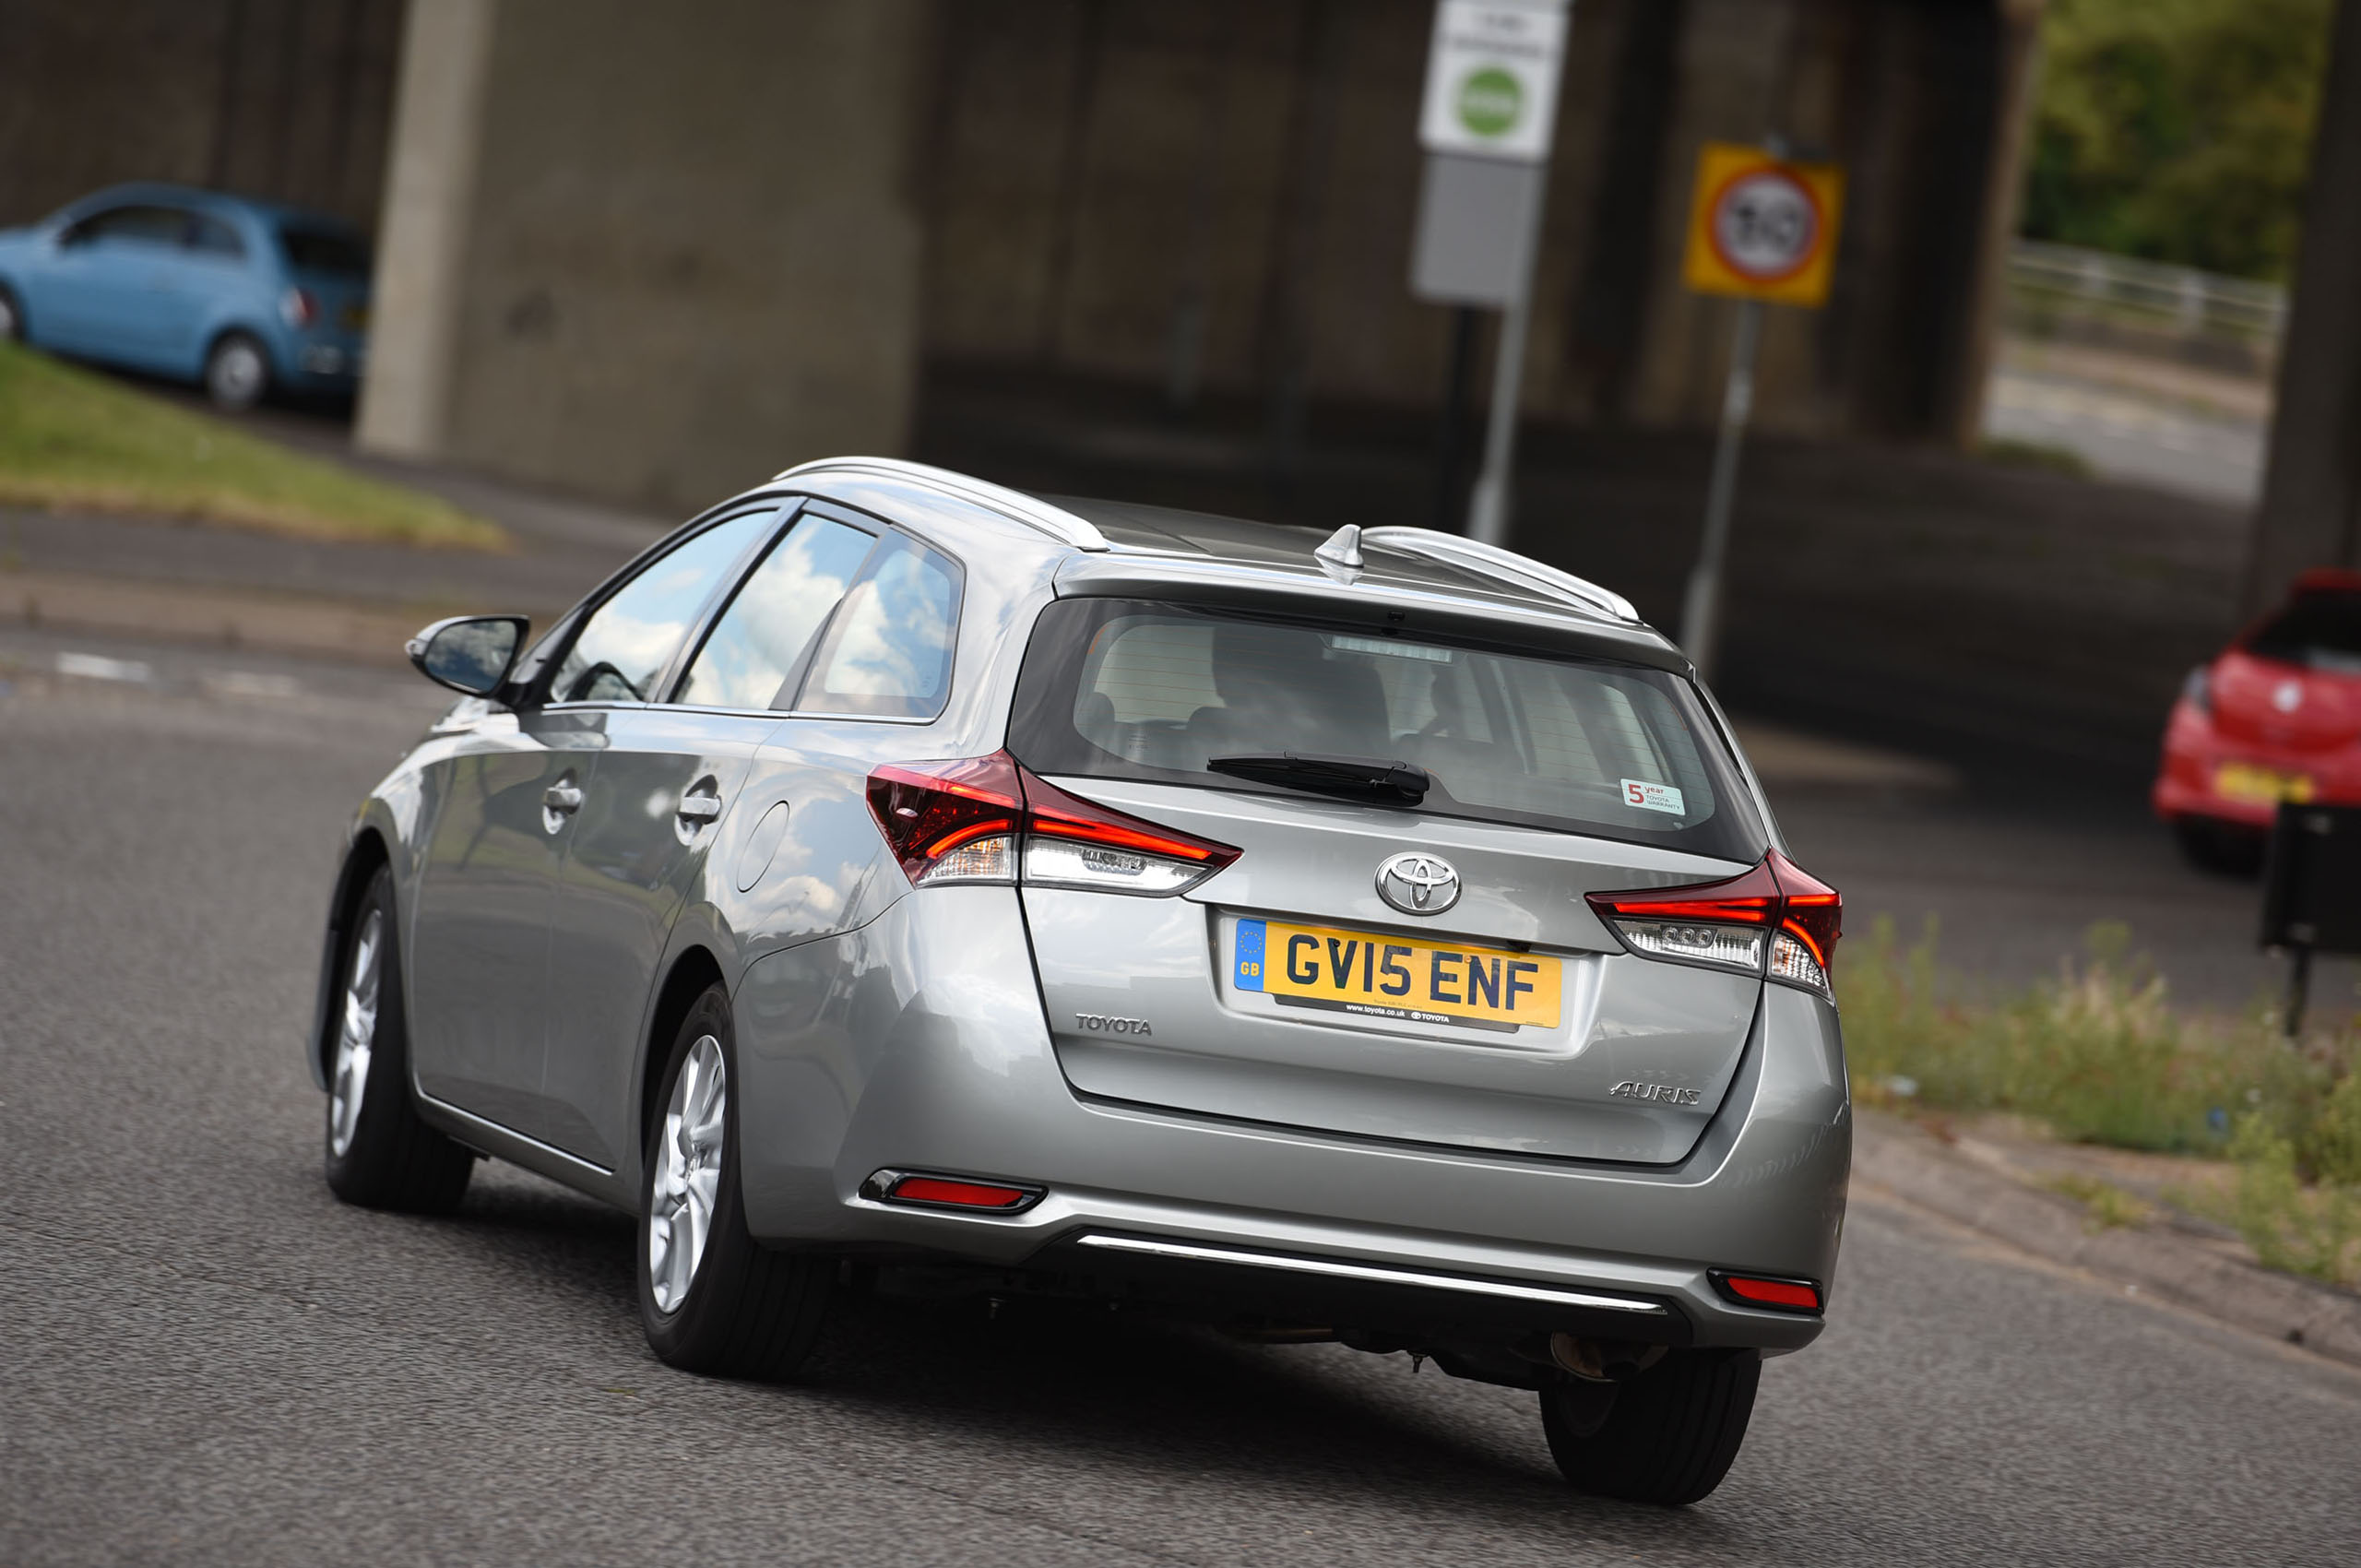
x,y
947,1191
1752,1291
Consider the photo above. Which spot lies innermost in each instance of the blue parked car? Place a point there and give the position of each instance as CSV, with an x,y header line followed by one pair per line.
x,y
240,296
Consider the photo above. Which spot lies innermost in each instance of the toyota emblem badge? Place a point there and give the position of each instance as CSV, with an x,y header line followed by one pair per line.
x,y
1418,885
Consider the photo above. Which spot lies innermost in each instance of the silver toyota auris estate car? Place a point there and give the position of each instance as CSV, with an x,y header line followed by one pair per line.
x,y
892,877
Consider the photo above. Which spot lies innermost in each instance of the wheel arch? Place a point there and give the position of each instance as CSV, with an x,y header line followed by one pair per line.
x,y
367,854
694,971
239,326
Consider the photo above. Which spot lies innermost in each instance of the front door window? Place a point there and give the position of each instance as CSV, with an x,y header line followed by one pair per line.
x,y
626,643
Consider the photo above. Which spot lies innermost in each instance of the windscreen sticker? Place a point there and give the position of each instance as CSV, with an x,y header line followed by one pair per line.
x,y
1652,797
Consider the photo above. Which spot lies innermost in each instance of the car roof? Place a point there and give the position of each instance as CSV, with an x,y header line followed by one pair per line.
x,y
217,201
1103,546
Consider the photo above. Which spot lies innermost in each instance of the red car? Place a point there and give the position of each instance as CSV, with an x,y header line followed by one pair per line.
x,y
2276,717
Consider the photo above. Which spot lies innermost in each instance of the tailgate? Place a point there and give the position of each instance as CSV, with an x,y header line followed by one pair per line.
x,y
1289,989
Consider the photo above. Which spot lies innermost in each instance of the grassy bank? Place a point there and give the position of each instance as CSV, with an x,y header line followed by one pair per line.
x,y
2099,1055
71,440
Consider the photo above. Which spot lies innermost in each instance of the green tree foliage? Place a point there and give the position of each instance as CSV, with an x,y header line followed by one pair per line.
x,y
2178,130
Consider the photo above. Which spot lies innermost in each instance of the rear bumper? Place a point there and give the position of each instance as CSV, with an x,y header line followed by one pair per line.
x,y
918,1042
2177,802
2198,760
322,362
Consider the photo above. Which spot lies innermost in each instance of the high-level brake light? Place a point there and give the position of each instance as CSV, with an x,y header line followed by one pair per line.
x,y
1777,920
990,819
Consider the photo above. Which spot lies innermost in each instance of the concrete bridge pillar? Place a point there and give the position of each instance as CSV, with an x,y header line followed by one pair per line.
x,y
647,254
2311,498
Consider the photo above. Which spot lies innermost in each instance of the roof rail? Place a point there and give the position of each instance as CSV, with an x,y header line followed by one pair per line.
x,y
1502,565
1015,506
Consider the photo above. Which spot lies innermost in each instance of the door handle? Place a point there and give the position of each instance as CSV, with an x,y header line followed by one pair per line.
x,y
562,796
700,808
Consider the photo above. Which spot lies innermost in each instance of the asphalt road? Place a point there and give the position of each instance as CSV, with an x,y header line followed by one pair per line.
x,y
205,1358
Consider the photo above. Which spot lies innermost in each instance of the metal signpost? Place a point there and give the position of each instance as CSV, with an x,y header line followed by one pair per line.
x,y
1491,102
1762,229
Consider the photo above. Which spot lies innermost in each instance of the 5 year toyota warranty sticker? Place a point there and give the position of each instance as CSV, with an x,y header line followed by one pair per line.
x,y
1652,797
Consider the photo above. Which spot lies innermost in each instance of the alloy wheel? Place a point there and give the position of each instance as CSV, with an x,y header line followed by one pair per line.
x,y
236,376
357,1034
687,1178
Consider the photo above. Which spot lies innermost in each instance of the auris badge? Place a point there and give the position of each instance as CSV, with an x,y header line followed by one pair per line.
x,y
1418,885
1631,1089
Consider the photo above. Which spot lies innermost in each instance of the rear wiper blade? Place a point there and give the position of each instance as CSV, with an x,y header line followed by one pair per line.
x,y
1392,782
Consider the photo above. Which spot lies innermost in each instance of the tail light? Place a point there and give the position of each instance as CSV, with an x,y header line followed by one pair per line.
x,y
2197,689
990,820
1776,920
298,308
1804,947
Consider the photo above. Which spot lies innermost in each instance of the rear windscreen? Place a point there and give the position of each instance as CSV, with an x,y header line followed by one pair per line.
x,y
324,250
1130,689
2323,630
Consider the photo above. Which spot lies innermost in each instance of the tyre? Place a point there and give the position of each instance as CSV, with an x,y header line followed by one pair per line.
x,y
711,1299
1669,1437
237,372
12,318
379,1154
2225,848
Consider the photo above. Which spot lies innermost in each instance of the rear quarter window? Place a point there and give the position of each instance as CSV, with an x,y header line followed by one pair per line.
x,y
887,651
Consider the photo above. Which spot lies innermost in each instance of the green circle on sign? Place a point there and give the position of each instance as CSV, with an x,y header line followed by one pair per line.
x,y
1490,101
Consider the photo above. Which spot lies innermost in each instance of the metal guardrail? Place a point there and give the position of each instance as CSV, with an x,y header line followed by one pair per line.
x,y
2051,284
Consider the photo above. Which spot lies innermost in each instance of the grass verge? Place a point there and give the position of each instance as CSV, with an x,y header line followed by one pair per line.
x,y
2012,453
71,440
2099,1056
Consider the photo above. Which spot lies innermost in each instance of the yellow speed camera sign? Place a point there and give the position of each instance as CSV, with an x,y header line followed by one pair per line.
x,y
1761,228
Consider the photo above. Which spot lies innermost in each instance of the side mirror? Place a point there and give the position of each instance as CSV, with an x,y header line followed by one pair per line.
x,y
469,653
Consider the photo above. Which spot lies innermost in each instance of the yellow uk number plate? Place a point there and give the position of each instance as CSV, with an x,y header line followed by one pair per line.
x,y
1390,977
2259,786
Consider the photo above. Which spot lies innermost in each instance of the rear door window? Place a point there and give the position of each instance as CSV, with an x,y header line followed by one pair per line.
x,y
1128,689
887,652
628,642
761,641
